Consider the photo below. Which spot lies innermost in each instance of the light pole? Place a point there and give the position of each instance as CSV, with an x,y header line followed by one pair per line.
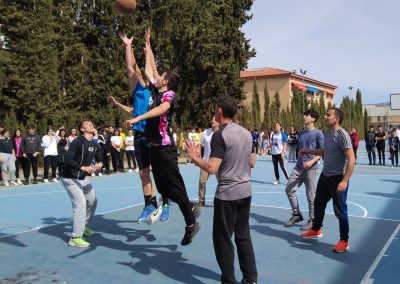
x,y
303,72
350,88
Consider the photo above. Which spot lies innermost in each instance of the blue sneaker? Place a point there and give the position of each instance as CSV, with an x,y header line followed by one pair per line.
x,y
146,214
165,213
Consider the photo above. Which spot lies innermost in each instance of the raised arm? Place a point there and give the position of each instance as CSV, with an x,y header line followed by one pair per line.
x,y
152,60
120,106
132,68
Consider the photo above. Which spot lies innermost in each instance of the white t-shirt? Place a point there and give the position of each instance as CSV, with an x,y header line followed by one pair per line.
x,y
129,140
277,141
50,145
117,140
194,137
206,142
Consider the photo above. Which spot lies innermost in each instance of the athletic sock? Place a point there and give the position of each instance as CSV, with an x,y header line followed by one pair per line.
x,y
154,202
147,200
165,200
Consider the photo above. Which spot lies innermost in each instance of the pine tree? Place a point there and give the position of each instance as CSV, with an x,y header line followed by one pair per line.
x,y
267,109
365,121
255,107
276,109
322,111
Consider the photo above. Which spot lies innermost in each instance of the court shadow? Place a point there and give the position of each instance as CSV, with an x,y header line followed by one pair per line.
x,y
264,219
382,194
11,240
391,180
317,246
170,264
53,220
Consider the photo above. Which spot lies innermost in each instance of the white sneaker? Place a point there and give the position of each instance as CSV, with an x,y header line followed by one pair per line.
x,y
45,180
137,170
54,180
93,174
6,183
276,182
19,181
100,174
13,182
130,170
155,216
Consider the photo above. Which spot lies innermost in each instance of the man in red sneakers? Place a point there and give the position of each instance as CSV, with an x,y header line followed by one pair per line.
x,y
333,183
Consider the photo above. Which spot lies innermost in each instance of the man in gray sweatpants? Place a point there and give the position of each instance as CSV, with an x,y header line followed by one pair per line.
x,y
77,165
305,170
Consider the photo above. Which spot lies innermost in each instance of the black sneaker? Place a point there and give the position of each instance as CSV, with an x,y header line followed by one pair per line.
x,y
247,282
190,233
26,182
293,220
35,181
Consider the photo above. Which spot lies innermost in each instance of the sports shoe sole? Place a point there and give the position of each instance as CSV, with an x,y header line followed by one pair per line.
x,y
314,237
340,251
154,216
72,244
196,230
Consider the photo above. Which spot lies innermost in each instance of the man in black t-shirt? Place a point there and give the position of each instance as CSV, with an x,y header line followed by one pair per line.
x,y
370,144
380,138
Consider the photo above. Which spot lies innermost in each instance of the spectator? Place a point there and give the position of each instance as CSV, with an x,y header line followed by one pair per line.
x,y
61,149
293,141
31,149
116,155
254,136
72,136
380,138
122,134
106,150
265,142
370,145
49,144
394,148
19,158
278,143
130,151
355,138
7,156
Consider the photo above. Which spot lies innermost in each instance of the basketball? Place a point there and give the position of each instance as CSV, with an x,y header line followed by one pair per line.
x,y
125,7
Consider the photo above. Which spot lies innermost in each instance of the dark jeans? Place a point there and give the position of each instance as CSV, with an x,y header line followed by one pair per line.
x,y
394,154
327,190
371,152
130,155
106,161
169,181
50,161
278,159
355,151
381,154
233,217
29,161
19,161
116,159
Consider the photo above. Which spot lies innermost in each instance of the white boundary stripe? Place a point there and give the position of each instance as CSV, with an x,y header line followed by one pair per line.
x,y
362,208
52,225
367,277
356,216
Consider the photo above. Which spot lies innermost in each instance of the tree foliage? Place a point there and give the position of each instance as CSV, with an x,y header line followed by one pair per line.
x,y
62,58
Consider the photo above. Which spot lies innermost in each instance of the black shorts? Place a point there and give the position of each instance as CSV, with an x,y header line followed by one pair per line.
x,y
142,150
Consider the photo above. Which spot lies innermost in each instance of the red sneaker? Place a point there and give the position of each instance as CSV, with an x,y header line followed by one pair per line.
x,y
312,234
341,246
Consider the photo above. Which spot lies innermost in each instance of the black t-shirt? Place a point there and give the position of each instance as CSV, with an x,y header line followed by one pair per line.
x,y
380,143
6,146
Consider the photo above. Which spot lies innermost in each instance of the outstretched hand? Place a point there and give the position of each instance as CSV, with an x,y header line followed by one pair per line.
x,y
191,148
127,41
147,35
112,100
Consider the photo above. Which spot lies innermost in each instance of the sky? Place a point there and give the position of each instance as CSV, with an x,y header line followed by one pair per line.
x,y
344,43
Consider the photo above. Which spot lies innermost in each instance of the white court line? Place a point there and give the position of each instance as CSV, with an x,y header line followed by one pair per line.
x,y
52,225
362,208
367,277
356,216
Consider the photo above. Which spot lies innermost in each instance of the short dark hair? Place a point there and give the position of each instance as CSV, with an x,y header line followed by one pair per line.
x,y
314,114
228,106
339,114
379,125
81,125
173,80
371,126
31,127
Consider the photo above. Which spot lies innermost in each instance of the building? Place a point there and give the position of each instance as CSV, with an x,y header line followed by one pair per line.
x,y
283,82
381,114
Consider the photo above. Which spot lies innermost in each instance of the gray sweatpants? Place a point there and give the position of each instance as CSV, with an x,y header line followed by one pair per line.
x,y
84,202
8,163
296,179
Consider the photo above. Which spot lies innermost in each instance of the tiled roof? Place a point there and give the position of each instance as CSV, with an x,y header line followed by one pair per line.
x,y
263,72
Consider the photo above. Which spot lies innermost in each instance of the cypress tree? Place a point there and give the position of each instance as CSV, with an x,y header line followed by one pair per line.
x,y
255,106
276,109
267,109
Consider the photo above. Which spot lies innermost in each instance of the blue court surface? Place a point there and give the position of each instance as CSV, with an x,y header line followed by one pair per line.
x,y
35,222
